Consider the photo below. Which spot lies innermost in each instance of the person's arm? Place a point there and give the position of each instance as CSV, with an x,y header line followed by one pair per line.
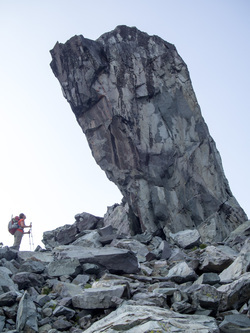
x,y
27,226
22,224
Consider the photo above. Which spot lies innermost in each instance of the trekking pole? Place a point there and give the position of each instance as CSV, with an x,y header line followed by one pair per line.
x,y
31,241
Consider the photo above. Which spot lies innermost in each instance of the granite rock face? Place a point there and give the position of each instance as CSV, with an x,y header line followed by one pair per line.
x,y
132,95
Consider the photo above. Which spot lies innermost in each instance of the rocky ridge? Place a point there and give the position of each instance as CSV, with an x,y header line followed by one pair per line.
x,y
174,255
132,95
104,281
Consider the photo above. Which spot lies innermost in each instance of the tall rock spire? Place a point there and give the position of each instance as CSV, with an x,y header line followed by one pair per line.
x,y
133,98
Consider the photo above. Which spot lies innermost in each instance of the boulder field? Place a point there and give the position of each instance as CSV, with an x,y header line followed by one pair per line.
x,y
103,281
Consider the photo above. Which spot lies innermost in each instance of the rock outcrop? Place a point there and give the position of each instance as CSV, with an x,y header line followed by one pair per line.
x,y
130,285
132,96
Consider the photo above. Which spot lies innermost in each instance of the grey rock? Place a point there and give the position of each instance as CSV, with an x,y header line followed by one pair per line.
x,y
92,269
146,270
133,98
206,296
89,239
69,233
7,253
235,324
135,246
119,217
66,234
10,312
167,291
165,250
152,318
34,292
44,257
62,324
9,265
181,273
180,296
66,301
86,221
25,280
107,230
98,298
177,255
65,278
154,249
186,239
45,328
32,266
66,266
239,234
6,270
215,259
240,265
113,259
144,238
105,240
6,283
85,321
64,311
235,294
108,280
44,321
108,234
8,299
160,266
75,330
65,289
153,299
26,315
183,307
47,312
42,299
49,239
208,278
81,279
2,323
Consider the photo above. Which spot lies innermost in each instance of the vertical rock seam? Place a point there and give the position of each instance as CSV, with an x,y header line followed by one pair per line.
x,y
132,95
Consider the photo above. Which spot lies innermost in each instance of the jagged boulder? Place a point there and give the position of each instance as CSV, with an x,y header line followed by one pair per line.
x,y
64,267
99,298
69,233
181,273
186,238
216,259
235,294
235,324
132,96
111,258
152,319
27,315
240,265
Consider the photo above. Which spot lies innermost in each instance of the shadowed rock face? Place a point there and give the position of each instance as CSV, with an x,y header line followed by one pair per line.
x,y
132,96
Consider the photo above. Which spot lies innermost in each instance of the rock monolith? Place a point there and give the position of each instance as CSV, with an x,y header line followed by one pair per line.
x,y
132,95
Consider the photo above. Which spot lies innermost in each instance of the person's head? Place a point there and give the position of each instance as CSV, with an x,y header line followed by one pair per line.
x,y
22,216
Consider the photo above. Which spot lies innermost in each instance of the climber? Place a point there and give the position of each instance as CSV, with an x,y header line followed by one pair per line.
x,y
18,235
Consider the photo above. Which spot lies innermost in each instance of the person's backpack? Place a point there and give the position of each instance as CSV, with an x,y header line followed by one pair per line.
x,y
13,225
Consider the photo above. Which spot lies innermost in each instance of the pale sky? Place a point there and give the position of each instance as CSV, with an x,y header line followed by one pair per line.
x,y
47,170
